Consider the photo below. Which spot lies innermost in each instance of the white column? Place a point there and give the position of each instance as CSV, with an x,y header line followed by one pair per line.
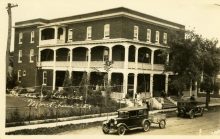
x,y
166,83
110,54
40,36
151,84
126,57
152,60
167,60
109,76
89,57
54,71
125,84
55,33
136,57
135,85
39,56
70,64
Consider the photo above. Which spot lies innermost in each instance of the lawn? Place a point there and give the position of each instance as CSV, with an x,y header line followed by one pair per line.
x,y
17,109
13,101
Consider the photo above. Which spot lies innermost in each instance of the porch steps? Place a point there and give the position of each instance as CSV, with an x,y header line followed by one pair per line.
x,y
166,103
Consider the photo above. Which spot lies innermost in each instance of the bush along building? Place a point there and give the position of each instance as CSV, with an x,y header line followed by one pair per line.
x,y
132,42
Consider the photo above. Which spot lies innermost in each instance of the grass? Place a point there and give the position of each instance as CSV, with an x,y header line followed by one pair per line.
x,y
18,111
12,101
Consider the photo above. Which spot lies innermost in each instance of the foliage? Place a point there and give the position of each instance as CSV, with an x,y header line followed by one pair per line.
x,y
11,80
67,85
192,56
83,89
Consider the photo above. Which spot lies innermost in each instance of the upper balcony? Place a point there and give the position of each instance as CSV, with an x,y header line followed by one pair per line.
x,y
52,35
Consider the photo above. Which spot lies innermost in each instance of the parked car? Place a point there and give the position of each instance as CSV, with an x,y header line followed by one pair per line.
x,y
132,118
189,108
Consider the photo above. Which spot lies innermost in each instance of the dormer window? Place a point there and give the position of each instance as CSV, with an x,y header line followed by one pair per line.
x,y
20,37
157,37
136,29
148,35
106,31
89,33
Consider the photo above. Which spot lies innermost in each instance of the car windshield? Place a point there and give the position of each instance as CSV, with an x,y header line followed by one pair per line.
x,y
122,114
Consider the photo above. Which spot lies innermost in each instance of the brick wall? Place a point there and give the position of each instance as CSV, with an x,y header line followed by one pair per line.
x,y
26,46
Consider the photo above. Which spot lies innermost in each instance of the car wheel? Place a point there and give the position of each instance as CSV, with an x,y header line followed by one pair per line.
x,y
105,129
121,130
162,124
191,115
146,126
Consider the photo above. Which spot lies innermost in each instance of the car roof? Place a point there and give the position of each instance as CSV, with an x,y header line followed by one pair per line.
x,y
190,101
132,108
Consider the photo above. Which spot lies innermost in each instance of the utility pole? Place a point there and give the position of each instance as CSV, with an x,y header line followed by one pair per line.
x,y
9,35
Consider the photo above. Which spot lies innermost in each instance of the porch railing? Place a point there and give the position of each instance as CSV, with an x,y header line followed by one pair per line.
x,y
144,66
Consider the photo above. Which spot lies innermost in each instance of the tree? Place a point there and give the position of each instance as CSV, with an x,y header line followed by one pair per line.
x,y
210,66
67,84
191,57
83,89
184,60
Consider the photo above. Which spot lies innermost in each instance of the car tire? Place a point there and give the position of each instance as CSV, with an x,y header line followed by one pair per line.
x,y
146,126
162,124
191,115
105,129
121,130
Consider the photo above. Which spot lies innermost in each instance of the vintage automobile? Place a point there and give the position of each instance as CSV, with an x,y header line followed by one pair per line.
x,y
189,108
132,118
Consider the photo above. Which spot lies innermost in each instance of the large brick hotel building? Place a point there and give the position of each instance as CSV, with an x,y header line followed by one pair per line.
x,y
45,49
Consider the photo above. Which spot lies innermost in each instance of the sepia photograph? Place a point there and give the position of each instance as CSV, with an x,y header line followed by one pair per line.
x,y
110,68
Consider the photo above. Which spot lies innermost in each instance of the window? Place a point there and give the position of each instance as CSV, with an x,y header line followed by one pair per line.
x,y
157,37
24,72
44,77
141,112
89,33
19,76
31,55
20,38
70,35
32,36
19,56
106,31
148,35
135,32
133,114
165,38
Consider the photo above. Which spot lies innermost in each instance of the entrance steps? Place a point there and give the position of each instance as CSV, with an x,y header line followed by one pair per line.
x,y
166,102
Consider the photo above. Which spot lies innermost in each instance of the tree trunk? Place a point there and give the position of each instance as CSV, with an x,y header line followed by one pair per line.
x,y
207,99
